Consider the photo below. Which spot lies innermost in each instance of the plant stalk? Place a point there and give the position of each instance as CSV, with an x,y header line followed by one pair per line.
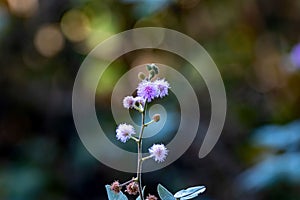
x,y
140,153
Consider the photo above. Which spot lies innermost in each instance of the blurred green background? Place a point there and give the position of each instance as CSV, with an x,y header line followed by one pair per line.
x,y
253,42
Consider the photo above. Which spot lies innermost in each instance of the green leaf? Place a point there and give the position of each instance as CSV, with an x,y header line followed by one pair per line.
x,y
142,193
189,197
151,74
114,196
155,69
189,193
149,67
164,194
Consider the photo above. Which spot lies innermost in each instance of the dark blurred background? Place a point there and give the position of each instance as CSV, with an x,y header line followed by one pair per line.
x,y
254,44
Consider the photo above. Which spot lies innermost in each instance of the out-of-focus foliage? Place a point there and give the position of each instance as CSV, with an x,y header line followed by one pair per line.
x,y
281,163
280,137
255,44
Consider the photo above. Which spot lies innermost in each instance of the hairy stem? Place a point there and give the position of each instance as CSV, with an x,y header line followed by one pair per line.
x,y
127,182
140,159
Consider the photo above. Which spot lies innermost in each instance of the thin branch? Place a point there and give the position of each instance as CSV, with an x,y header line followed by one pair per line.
x,y
140,161
127,182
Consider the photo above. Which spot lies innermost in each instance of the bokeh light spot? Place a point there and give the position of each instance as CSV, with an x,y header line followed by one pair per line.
x,y
75,25
24,8
49,40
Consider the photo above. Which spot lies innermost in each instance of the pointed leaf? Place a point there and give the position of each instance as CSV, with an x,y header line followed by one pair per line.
x,y
149,67
190,196
164,194
114,196
196,189
189,193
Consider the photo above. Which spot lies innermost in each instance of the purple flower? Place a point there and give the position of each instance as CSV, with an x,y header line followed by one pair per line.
x,y
147,90
295,56
162,86
159,152
124,132
128,102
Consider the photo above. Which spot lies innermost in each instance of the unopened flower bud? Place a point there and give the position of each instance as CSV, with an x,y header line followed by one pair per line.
x,y
151,197
132,188
156,117
141,76
115,186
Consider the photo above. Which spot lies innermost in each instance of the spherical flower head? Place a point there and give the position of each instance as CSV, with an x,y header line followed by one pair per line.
x,y
163,87
132,188
115,186
151,197
128,102
295,56
159,152
124,132
147,90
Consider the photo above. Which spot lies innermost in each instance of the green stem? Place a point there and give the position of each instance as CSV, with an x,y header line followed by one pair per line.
x,y
140,159
148,123
147,157
135,139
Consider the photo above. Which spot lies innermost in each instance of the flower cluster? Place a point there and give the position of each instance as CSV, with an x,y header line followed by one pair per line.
x,y
150,90
147,90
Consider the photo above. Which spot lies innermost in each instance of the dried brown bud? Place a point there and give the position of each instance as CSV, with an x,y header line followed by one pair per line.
x,y
115,186
132,188
151,197
156,117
